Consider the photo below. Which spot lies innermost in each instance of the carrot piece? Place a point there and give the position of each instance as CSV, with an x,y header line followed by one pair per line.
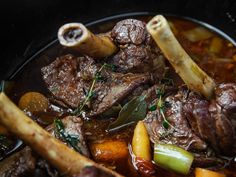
x,y
109,150
201,172
141,143
33,102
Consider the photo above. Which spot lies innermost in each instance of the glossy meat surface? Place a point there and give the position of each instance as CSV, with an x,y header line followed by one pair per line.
x,y
70,78
197,124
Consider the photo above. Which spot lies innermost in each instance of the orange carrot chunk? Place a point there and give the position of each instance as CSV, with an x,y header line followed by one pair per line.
x,y
201,172
33,102
109,150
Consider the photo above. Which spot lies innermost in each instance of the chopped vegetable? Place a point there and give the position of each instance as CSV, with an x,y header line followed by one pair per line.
x,y
72,140
64,159
133,111
141,143
109,150
173,158
197,34
200,172
216,45
33,102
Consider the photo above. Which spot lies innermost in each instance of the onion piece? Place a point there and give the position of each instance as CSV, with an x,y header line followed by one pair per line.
x,y
197,34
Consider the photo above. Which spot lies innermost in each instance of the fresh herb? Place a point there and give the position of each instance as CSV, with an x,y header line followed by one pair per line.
x,y
161,105
165,133
165,124
160,91
91,93
153,107
54,89
110,66
133,111
70,139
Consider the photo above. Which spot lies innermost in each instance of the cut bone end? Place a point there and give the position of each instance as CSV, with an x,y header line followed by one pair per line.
x,y
193,76
55,152
157,22
78,37
72,34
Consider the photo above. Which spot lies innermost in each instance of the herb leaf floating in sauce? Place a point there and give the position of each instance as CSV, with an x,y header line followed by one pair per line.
x,y
161,105
70,139
133,111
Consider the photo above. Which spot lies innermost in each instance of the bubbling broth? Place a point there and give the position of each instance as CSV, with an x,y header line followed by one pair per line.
x,y
213,53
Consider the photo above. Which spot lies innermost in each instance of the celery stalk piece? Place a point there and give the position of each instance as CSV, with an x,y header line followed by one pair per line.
x,y
173,158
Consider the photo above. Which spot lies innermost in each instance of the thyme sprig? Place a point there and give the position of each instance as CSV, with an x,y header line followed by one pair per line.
x,y
90,93
161,105
70,139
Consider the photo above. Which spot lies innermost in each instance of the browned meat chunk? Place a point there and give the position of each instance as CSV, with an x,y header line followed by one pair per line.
x,y
70,78
211,120
196,110
226,97
138,53
20,164
26,163
197,124
130,31
73,126
179,133
224,130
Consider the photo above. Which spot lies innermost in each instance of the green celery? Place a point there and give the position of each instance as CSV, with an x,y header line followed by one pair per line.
x,y
173,158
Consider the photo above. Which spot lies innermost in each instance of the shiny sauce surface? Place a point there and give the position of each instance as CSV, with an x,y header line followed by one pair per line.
x,y
215,55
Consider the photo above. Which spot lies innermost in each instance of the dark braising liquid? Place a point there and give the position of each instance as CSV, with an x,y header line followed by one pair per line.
x,y
213,54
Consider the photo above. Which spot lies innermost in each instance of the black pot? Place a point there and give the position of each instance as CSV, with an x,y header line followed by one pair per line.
x,y
30,25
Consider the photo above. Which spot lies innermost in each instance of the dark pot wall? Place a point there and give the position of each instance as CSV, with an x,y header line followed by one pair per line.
x,y
27,25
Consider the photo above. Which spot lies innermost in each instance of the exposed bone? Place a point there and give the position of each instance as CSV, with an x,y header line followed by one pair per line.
x,y
193,76
66,160
77,36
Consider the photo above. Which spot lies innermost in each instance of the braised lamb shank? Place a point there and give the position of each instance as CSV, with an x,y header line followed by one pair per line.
x,y
197,124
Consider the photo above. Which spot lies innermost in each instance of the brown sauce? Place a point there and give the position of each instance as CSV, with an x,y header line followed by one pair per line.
x,y
213,54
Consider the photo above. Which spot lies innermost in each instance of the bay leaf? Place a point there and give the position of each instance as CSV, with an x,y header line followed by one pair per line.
x,y
131,112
